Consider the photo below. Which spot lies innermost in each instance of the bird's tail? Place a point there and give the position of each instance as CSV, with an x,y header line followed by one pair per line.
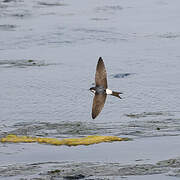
x,y
116,94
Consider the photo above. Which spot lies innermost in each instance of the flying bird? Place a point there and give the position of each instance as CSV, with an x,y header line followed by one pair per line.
x,y
101,89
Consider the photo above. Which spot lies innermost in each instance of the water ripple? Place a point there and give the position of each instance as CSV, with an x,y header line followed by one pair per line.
x,y
50,4
89,170
7,27
152,127
22,63
121,75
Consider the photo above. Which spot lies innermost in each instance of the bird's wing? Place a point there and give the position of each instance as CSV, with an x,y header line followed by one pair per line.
x,y
101,76
98,104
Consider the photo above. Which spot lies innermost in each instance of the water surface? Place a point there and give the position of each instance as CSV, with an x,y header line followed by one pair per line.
x,y
49,51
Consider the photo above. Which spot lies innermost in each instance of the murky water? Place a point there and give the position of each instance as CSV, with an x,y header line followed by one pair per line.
x,y
48,54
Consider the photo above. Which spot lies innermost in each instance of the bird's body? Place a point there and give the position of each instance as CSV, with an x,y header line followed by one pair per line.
x,y
101,89
98,90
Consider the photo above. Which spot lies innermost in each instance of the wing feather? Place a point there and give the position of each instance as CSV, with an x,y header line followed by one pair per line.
x,y
101,76
98,104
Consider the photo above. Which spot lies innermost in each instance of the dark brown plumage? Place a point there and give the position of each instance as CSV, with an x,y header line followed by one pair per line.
x,y
100,80
101,76
98,104
101,89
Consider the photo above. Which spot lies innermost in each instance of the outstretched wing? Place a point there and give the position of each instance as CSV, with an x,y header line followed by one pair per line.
x,y
101,76
98,104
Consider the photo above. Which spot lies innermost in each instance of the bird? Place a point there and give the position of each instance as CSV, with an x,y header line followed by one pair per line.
x,y
101,90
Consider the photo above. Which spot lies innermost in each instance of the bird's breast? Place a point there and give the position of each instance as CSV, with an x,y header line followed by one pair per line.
x,y
100,90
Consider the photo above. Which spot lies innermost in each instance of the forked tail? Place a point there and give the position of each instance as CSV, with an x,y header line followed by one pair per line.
x,y
116,94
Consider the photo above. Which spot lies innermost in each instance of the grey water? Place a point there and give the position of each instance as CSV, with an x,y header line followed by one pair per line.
x,y
48,55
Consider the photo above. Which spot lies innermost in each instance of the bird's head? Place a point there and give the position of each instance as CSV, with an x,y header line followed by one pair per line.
x,y
92,89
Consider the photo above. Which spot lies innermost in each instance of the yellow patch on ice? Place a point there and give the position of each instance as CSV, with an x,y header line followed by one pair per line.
x,y
68,142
